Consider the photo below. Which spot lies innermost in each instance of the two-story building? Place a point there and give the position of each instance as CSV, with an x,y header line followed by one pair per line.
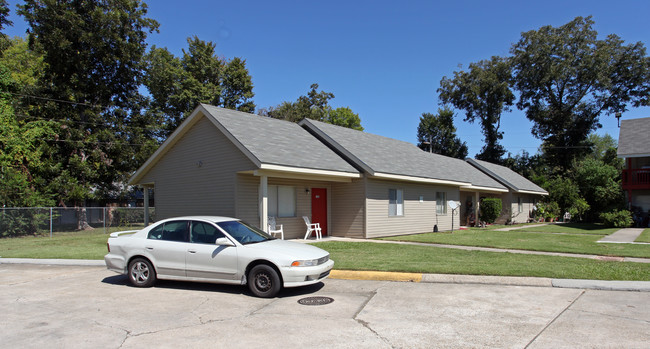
x,y
634,147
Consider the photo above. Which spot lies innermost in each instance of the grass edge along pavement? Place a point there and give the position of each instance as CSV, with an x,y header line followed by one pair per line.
x,y
644,237
387,257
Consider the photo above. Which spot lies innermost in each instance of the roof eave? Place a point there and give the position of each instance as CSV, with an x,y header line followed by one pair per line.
x,y
380,175
635,155
484,189
531,192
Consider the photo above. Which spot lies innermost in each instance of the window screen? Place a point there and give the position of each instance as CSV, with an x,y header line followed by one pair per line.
x,y
282,201
395,202
441,202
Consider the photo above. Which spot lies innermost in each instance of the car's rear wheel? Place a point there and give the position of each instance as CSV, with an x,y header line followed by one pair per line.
x,y
264,281
141,273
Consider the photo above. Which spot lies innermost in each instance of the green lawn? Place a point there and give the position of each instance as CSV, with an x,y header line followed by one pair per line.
x,y
566,238
430,259
644,237
67,245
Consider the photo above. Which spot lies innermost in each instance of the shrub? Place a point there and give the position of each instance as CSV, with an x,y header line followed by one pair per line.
x,y
20,222
617,218
490,209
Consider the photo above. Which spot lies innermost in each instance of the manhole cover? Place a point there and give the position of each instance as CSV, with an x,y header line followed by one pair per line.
x,y
315,300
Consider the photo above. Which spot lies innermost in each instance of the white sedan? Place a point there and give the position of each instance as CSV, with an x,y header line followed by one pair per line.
x,y
217,250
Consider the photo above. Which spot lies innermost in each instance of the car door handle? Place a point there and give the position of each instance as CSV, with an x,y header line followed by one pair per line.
x,y
191,251
149,248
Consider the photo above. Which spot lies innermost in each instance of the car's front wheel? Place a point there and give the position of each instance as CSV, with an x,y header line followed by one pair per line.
x,y
264,281
141,273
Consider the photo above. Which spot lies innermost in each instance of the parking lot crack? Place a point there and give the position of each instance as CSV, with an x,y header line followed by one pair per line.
x,y
199,306
366,324
555,318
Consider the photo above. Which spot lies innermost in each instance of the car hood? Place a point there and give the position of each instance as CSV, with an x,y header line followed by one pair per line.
x,y
295,250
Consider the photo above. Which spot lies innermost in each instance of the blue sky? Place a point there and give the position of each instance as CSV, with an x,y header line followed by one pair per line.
x,y
383,59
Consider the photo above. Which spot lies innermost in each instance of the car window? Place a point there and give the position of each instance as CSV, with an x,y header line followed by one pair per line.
x,y
156,233
204,233
171,231
176,231
244,233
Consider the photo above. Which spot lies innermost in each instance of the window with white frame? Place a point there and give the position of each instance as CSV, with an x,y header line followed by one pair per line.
x,y
282,201
441,202
395,202
520,204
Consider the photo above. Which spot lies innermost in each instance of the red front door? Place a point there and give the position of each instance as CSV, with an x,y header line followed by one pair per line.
x,y
319,208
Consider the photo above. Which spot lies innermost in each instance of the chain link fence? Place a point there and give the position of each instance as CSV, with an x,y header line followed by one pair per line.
x,y
48,221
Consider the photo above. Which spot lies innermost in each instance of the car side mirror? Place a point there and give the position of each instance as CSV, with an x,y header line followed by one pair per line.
x,y
224,242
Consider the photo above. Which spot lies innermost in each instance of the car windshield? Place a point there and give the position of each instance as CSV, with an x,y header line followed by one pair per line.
x,y
243,232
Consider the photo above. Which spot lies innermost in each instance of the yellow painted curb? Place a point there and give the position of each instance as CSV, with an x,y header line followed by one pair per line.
x,y
375,275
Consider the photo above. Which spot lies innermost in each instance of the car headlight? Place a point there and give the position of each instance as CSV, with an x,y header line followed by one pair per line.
x,y
305,263
310,262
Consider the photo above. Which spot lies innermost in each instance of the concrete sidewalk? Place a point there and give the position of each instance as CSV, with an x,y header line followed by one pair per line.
x,y
521,227
623,236
639,286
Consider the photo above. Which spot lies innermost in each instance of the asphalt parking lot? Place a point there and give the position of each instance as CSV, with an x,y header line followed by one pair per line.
x,y
91,307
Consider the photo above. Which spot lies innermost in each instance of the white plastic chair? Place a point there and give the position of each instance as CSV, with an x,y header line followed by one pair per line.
x,y
273,228
312,227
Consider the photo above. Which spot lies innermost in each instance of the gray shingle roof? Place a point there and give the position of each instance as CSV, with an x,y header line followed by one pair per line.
x,y
508,177
378,154
278,142
634,138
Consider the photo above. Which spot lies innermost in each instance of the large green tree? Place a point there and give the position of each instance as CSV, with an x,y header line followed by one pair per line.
x,y
567,78
437,134
483,92
178,85
600,186
22,138
315,106
92,54
22,149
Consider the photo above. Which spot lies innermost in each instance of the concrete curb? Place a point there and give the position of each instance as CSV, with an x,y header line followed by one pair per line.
x,y
375,275
75,262
639,286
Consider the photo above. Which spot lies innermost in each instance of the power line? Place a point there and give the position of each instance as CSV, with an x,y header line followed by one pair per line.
x,y
85,142
102,124
54,100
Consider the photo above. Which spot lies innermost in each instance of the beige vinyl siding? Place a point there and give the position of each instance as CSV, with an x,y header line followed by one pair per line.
x,y
197,176
419,217
527,203
247,197
348,209
510,208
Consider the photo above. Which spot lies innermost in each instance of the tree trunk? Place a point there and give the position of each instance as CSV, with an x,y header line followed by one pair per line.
x,y
82,219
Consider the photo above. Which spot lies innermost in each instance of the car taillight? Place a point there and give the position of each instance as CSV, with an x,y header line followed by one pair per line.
x,y
108,247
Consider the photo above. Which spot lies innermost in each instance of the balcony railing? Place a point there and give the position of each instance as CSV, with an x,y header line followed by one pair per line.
x,y
636,179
